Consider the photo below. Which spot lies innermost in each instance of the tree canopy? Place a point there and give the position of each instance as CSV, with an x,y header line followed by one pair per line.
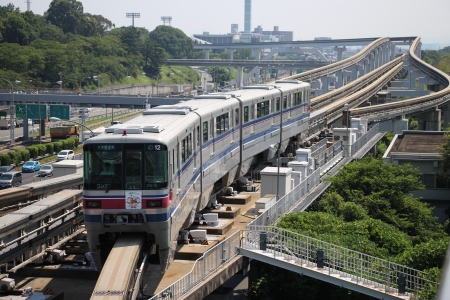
x,y
71,45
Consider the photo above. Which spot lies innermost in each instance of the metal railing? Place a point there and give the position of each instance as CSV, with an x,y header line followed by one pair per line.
x,y
365,138
207,264
310,252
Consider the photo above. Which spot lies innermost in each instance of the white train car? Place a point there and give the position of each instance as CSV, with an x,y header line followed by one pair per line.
x,y
152,174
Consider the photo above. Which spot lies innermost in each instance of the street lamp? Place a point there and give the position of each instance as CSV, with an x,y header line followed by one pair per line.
x,y
60,85
97,78
55,119
12,111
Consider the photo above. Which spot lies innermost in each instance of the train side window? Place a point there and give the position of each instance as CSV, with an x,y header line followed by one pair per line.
x,y
205,131
285,102
198,136
183,150
246,114
278,104
262,109
173,161
222,123
190,144
236,117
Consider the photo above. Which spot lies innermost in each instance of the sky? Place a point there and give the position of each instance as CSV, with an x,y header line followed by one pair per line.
x,y
308,19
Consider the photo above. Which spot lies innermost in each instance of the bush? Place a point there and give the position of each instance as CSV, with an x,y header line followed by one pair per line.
x,y
15,157
41,149
49,148
24,154
5,159
33,151
58,146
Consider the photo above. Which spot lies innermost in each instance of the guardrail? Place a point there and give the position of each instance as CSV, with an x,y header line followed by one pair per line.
x,y
365,138
337,260
207,264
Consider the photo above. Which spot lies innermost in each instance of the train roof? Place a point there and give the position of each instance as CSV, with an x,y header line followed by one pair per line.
x,y
162,123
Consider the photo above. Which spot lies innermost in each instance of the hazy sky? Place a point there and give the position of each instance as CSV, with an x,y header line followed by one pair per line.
x,y
308,19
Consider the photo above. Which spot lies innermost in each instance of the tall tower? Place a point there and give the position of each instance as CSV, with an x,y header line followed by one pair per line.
x,y
248,16
28,5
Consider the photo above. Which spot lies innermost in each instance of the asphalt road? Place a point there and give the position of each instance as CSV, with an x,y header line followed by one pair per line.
x,y
32,177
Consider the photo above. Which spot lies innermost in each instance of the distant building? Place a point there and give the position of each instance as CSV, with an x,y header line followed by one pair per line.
x,y
215,38
234,28
248,16
282,36
421,149
257,36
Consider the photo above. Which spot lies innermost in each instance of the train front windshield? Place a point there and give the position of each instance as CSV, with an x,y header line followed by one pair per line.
x,y
125,166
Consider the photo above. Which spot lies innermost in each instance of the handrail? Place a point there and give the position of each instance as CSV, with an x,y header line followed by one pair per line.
x,y
337,259
408,105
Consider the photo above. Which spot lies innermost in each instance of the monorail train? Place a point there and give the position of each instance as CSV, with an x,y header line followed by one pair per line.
x,y
152,174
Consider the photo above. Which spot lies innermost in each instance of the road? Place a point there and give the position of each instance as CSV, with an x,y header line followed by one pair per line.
x,y
32,177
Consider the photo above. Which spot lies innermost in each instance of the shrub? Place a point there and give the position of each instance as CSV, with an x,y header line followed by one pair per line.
x,y
24,154
5,159
49,148
15,157
41,149
33,150
58,146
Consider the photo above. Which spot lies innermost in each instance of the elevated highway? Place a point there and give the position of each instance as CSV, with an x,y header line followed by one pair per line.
x,y
246,63
306,43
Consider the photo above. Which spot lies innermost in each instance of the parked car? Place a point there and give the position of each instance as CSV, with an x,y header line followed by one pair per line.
x,y
115,122
10,179
46,170
65,154
4,169
31,166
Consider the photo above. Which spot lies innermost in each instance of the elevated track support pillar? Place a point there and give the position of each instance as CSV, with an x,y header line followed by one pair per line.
x,y
240,77
25,130
445,115
206,54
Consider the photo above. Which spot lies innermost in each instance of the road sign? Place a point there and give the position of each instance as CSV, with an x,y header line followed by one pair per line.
x,y
60,111
31,111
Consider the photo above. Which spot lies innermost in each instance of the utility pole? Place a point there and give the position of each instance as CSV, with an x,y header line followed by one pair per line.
x,y
133,15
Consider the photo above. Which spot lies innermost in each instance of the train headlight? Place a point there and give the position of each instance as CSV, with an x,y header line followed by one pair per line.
x,y
154,203
93,204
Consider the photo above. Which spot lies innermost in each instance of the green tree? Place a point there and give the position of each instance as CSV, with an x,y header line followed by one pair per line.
x,y
17,30
67,14
153,58
220,75
174,41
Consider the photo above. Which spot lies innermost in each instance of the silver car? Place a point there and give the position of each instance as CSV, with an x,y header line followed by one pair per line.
x,y
10,179
46,170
